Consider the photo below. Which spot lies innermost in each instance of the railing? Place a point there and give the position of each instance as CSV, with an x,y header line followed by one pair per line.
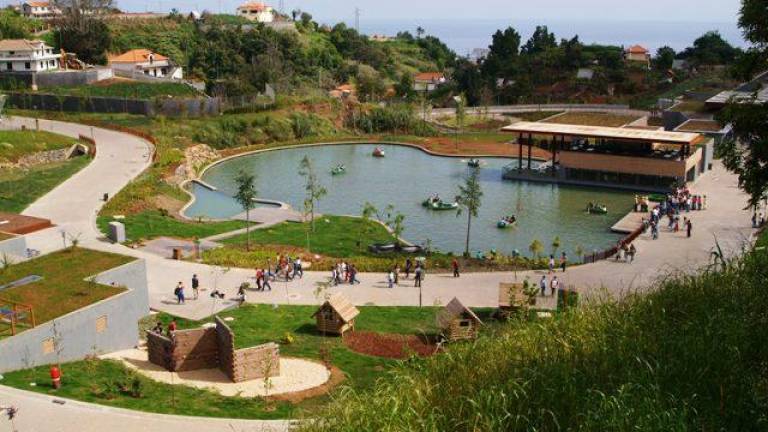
x,y
612,251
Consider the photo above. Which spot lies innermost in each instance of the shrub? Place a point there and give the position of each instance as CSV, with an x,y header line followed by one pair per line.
x,y
399,119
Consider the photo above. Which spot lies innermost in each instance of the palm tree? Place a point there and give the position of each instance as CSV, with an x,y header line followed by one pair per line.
x,y
246,196
469,198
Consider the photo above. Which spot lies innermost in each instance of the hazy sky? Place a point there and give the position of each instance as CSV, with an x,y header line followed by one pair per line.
x,y
343,10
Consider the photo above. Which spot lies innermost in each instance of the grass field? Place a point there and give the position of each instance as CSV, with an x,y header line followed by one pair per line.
x,y
151,223
592,119
63,288
98,381
127,89
15,144
19,188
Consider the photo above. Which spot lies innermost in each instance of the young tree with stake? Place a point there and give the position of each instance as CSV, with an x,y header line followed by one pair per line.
x,y
246,196
314,190
469,199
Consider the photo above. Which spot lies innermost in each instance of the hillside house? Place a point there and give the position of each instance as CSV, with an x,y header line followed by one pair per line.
x,y
39,10
21,55
428,81
145,62
638,54
256,11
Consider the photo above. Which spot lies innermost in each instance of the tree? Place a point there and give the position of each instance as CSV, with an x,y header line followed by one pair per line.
x,y
314,190
536,248
461,114
370,86
14,26
746,153
404,87
711,49
395,221
470,199
80,31
665,56
419,32
556,245
246,196
541,41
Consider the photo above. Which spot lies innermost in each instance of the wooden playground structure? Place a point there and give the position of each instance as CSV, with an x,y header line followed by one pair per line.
x,y
15,317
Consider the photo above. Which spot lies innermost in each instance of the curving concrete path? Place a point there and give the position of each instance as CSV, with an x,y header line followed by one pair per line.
x,y
74,204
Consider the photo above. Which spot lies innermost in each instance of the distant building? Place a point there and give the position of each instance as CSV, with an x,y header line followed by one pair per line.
x,y
638,54
380,38
585,74
21,55
428,81
39,10
145,62
256,11
479,54
680,65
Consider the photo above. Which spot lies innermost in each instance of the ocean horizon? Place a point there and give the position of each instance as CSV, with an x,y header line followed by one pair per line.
x,y
465,35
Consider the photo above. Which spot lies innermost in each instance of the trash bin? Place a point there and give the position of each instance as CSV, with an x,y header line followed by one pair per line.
x,y
177,254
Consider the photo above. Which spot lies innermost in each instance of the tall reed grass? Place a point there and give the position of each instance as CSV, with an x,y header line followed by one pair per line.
x,y
692,354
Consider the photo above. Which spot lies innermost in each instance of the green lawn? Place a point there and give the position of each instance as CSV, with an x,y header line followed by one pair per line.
x,y
98,381
63,288
129,89
15,144
151,223
336,236
19,188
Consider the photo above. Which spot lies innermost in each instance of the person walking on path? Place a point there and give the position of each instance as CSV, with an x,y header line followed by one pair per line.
x,y
551,263
455,265
554,285
353,275
543,285
689,228
418,275
397,274
297,269
632,252
408,265
391,279
265,281
241,295
179,292
563,261
195,287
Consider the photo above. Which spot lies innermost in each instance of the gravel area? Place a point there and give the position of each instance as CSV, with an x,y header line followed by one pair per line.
x,y
295,375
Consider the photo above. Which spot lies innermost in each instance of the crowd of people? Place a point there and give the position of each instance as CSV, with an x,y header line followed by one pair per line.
x,y
677,203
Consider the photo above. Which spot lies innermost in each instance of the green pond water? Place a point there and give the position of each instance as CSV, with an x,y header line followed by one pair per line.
x,y
405,178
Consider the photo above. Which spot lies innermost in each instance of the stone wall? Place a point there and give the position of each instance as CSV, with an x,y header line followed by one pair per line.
x,y
185,107
107,326
194,349
247,363
159,348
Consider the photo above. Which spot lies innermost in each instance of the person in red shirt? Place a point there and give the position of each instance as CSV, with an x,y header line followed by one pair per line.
x,y
171,327
455,265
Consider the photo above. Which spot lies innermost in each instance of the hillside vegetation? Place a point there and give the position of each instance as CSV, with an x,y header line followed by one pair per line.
x,y
690,355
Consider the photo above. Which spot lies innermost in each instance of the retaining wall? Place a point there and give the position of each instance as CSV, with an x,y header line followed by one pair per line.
x,y
15,248
107,326
191,107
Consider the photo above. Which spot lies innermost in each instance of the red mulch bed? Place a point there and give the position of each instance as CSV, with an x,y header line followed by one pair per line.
x,y
389,345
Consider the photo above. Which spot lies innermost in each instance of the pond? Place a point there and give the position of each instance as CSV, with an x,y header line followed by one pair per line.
x,y
405,178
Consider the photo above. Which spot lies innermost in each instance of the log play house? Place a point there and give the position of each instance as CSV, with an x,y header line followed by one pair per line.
x,y
336,315
458,322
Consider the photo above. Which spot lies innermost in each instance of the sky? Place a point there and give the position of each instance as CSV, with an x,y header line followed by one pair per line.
x,y
343,10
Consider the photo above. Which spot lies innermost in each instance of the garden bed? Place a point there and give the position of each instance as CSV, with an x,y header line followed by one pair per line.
x,y
394,346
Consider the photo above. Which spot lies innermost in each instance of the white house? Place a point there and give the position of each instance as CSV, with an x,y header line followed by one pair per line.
x,y
21,55
256,11
145,62
428,81
39,10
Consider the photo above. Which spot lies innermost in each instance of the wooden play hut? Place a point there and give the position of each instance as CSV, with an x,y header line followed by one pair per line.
x,y
458,322
336,315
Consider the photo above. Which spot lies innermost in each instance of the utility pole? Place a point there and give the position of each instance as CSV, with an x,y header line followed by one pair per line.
x,y
358,12
281,8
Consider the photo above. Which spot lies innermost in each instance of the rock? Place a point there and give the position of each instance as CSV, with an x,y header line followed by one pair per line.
x,y
195,158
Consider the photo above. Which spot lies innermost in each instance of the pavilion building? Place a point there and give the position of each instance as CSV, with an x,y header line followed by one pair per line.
x,y
626,158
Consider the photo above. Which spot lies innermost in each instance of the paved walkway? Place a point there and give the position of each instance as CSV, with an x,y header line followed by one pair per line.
x,y
40,413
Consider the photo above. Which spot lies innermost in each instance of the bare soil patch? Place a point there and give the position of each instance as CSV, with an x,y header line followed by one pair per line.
x,y
393,346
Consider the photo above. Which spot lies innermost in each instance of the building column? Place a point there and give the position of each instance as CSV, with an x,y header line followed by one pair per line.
x,y
520,152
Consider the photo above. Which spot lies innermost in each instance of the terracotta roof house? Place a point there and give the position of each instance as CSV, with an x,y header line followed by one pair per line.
x,y
428,81
458,321
22,55
639,54
256,11
145,62
336,315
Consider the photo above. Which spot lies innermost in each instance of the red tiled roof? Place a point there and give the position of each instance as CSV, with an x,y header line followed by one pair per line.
x,y
429,76
259,6
637,49
38,4
136,56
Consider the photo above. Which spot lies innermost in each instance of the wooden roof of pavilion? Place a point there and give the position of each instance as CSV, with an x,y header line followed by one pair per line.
x,y
455,309
664,137
346,310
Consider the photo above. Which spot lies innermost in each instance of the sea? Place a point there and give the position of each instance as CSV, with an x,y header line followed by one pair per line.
x,y
463,36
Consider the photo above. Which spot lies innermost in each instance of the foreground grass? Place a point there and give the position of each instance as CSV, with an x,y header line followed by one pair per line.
x,y
15,144
63,288
690,355
150,224
105,382
19,188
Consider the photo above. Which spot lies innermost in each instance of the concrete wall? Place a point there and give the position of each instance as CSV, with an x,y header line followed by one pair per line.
x,y
192,107
79,333
22,80
15,248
